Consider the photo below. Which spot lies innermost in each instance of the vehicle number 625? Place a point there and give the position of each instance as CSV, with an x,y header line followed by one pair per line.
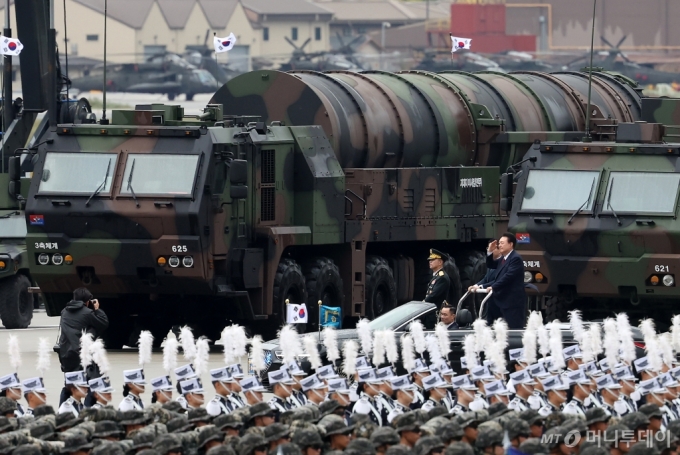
x,y
662,268
179,248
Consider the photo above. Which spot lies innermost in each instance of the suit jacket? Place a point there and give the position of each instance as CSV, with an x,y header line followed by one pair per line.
x,y
488,279
508,288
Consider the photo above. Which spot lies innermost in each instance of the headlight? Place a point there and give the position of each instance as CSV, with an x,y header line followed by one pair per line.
x,y
68,259
3,264
162,261
57,259
668,280
528,277
44,259
188,261
173,261
654,280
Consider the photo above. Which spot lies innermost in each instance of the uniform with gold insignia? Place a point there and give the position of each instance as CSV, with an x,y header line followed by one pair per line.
x,y
438,288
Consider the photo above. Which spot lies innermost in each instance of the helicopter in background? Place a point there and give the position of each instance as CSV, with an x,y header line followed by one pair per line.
x,y
319,61
463,60
165,73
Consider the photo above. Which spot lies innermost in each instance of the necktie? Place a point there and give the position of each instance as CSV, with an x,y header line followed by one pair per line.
x,y
503,262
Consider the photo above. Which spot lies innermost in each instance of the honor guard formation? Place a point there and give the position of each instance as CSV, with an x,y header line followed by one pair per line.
x,y
381,392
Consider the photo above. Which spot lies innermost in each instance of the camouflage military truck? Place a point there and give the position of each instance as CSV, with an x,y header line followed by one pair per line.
x,y
596,222
313,186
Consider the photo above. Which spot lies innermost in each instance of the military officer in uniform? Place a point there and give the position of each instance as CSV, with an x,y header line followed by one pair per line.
x,y
436,386
524,388
252,390
76,384
101,390
11,387
403,389
465,393
367,402
418,373
35,393
220,404
626,379
161,390
580,390
314,389
192,391
282,387
438,288
538,398
609,391
133,388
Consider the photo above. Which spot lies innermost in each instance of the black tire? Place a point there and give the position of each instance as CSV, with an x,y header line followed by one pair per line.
x,y
381,290
323,282
472,267
16,304
289,284
455,288
189,96
556,307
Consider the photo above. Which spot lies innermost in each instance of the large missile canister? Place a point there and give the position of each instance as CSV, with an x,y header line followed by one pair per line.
x,y
377,119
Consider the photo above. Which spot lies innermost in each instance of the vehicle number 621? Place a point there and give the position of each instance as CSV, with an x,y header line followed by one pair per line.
x,y
179,248
662,268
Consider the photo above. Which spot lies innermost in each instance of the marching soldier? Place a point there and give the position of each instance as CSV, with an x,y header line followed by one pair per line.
x,y
368,391
252,390
35,393
436,386
609,391
626,379
161,390
235,375
538,398
11,387
297,398
556,391
438,288
102,390
404,392
465,394
192,391
133,388
77,387
385,401
220,404
282,384
314,390
524,388
580,390
418,373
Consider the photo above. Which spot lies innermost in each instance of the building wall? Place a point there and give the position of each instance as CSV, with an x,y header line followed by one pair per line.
x,y
277,46
83,21
648,24
246,35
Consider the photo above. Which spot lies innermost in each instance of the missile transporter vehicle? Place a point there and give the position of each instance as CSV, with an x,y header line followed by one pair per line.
x,y
292,187
596,222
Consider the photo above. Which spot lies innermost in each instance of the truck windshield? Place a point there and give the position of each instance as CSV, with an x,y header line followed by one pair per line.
x,y
553,190
154,174
13,225
642,192
77,173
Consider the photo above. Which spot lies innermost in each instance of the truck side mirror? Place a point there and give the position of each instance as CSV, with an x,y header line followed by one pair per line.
x,y
506,204
14,165
506,185
238,172
238,192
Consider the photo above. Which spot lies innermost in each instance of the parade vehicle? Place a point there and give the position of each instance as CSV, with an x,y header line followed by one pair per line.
x,y
24,124
311,186
400,319
596,222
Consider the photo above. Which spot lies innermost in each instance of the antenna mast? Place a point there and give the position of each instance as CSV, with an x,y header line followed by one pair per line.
x,y
104,120
588,137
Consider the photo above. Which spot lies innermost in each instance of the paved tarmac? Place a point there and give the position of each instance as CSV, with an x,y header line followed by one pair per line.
x,y
43,326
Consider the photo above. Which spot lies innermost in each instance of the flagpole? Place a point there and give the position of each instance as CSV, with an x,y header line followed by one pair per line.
x,y
588,138
7,114
217,65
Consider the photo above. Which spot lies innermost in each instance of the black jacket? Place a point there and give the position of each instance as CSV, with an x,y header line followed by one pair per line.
x,y
75,318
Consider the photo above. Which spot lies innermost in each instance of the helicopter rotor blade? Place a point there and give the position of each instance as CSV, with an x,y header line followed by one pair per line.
x,y
604,40
618,45
291,43
307,41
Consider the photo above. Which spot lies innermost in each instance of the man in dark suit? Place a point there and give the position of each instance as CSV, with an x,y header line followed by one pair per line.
x,y
508,288
448,316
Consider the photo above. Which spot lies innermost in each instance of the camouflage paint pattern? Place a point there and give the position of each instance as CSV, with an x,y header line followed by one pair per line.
x,y
343,166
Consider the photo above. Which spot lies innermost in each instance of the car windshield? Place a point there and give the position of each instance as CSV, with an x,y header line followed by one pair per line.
x,y
159,174
393,319
642,192
560,190
13,225
77,173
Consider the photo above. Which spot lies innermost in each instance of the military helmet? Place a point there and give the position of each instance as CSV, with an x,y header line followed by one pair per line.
x,y
5,424
207,434
276,431
337,426
167,443
488,437
7,405
451,430
5,447
27,449
398,449
384,436
517,427
43,410
178,424
106,428
260,410
635,420
307,437
133,417
642,448
198,415
532,446
249,442
407,422
651,410
459,448
360,446
108,448
76,443
595,415
427,444
329,407
142,440
223,421
286,449
222,449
